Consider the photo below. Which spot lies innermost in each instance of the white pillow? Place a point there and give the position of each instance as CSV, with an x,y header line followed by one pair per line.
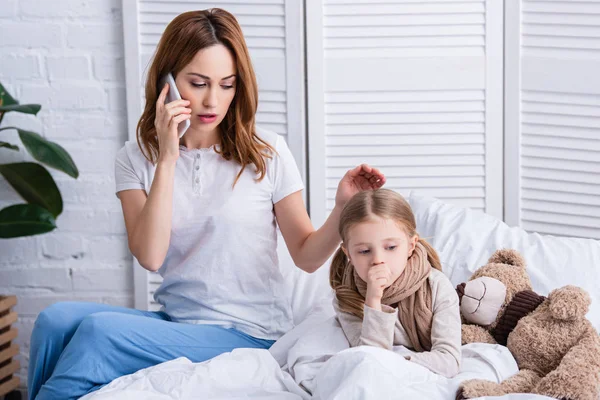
x,y
466,238
305,290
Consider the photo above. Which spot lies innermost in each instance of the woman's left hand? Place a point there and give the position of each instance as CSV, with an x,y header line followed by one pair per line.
x,y
357,180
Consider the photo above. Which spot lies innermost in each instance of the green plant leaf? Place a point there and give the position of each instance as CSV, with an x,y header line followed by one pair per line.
x,y
9,146
25,220
22,108
35,184
5,98
48,152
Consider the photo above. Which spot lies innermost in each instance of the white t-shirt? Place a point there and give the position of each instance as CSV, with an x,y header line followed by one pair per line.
x,y
221,266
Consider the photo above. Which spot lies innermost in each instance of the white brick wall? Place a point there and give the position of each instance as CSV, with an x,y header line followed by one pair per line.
x,y
68,57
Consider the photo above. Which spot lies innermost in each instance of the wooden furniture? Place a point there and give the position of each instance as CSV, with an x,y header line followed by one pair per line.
x,y
8,349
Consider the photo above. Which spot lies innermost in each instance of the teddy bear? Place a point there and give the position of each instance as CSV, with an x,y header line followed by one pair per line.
x,y
556,348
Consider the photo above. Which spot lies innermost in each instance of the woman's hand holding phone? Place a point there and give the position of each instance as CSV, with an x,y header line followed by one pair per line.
x,y
168,117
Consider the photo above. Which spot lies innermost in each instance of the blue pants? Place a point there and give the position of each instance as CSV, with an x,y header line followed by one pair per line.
x,y
77,348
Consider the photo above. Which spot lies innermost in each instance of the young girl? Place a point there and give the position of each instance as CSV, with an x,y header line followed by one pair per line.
x,y
389,286
203,211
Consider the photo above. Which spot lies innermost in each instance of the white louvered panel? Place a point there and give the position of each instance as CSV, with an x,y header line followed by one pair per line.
x,y
404,29
429,141
411,87
273,31
561,28
553,117
272,111
560,163
263,22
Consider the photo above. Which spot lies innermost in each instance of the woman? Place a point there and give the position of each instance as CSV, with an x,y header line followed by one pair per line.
x,y
202,210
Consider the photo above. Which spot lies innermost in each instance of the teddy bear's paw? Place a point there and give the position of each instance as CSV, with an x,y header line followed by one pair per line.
x,y
478,388
475,334
561,389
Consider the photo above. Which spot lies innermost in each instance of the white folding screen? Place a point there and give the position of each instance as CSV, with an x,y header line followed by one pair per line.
x,y
274,32
489,104
412,87
552,108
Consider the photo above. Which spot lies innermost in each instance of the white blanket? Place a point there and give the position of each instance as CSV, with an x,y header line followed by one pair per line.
x,y
241,374
319,359
358,373
314,356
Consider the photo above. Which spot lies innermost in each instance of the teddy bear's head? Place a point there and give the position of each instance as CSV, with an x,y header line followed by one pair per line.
x,y
555,346
483,299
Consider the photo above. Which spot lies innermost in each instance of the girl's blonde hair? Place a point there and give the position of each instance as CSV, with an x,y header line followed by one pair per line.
x,y
365,205
187,34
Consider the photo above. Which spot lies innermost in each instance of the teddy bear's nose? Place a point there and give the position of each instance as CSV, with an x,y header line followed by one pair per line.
x,y
460,290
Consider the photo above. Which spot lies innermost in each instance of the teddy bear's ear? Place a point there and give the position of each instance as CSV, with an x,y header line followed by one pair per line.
x,y
507,256
569,303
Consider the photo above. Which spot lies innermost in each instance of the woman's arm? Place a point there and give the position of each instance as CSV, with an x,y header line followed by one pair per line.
x,y
148,218
308,247
311,248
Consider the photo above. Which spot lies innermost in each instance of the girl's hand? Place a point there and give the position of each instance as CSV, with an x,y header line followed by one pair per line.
x,y
378,278
168,116
356,180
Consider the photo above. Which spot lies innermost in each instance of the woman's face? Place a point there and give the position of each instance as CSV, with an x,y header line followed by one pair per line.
x,y
208,82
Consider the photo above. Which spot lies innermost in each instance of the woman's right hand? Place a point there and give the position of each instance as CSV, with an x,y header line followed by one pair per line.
x,y
168,116
378,278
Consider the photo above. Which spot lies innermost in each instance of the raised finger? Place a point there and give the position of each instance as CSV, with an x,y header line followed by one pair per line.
x,y
366,169
378,274
382,281
180,118
163,95
177,103
179,110
354,172
377,172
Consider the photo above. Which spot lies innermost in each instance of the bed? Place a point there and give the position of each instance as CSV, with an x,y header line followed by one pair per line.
x,y
312,361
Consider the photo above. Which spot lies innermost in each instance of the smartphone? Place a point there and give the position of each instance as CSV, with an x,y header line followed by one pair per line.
x,y
172,95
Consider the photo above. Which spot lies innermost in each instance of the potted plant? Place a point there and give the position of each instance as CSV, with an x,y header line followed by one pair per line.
x,y
36,215
30,179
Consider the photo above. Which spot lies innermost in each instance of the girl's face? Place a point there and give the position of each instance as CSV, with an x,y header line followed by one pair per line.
x,y
379,241
208,82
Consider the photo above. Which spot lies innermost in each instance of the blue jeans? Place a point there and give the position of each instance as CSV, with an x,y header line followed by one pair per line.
x,y
78,347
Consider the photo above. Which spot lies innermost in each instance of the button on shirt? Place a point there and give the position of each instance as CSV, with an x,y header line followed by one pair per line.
x,y
221,266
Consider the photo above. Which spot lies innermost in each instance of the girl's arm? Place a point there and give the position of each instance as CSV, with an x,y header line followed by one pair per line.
x,y
445,355
311,248
375,329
